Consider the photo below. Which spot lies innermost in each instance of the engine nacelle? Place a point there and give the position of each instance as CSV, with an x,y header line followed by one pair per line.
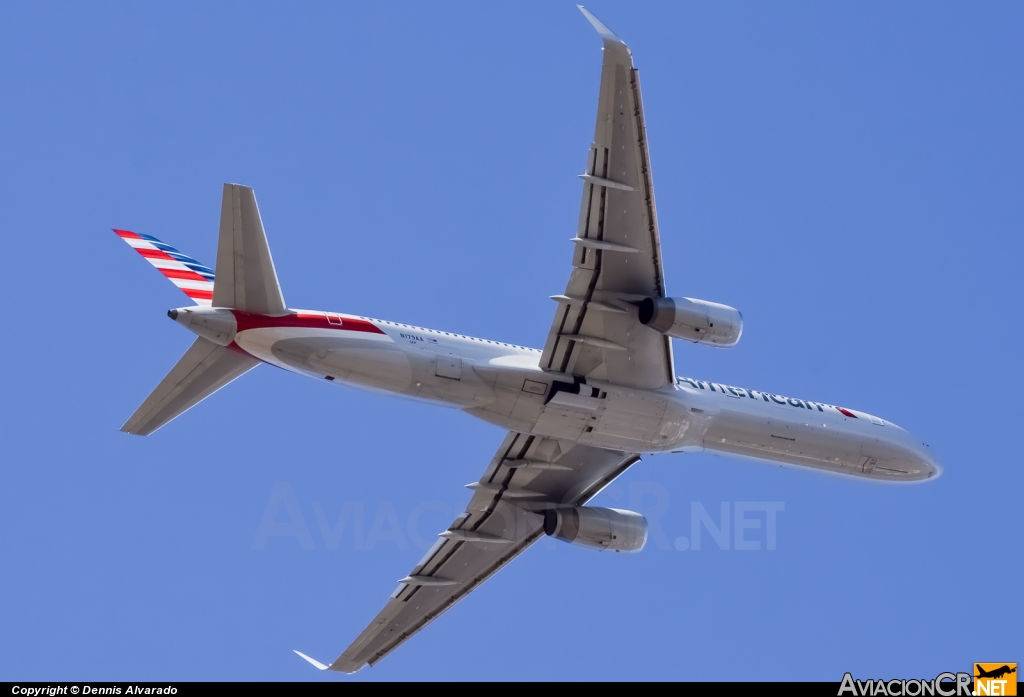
x,y
699,321
604,528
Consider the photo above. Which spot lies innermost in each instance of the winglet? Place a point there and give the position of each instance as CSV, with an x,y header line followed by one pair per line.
x,y
315,662
604,31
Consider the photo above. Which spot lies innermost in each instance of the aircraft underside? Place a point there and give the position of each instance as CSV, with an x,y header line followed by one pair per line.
x,y
505,386
577,414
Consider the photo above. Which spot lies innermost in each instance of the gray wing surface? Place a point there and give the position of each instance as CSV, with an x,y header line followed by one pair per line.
x,y
617,255
505,516
204,369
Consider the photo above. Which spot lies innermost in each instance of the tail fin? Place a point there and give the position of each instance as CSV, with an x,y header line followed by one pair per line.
x,y
194,279
246,279
204,369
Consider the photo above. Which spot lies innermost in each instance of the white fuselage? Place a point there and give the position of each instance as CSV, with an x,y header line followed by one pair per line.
x,y
502,384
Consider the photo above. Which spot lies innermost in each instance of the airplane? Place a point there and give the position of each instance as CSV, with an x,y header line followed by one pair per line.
x,y
578,413
995,673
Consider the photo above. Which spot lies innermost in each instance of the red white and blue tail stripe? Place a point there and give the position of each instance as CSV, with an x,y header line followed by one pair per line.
x,y
194,279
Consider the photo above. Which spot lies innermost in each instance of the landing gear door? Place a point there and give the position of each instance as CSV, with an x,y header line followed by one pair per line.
x,y
449,364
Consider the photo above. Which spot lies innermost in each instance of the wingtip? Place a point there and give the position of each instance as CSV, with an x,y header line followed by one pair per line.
x,y
606,33
345,666
313,661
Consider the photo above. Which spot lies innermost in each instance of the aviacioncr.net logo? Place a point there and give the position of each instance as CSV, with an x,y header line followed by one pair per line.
x,y
995,679
943,685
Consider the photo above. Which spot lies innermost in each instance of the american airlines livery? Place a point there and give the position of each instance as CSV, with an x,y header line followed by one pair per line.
x,y
578,413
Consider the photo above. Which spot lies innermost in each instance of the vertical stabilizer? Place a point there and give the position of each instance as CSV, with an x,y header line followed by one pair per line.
x,y
245,276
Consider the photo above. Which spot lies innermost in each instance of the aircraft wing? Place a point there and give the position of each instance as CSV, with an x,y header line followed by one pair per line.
x,y
505,516
617,255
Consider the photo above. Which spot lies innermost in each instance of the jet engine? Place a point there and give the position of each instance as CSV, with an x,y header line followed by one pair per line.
x,y
699,321
604,528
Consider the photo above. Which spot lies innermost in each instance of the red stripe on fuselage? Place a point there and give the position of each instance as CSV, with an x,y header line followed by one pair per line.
x,y
247,320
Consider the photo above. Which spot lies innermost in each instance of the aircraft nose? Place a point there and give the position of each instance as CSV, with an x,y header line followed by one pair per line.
x,y
932,468
920,463
899,457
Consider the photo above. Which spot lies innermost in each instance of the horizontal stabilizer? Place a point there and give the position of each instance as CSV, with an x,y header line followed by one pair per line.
x,y
246,279
194,279
204,369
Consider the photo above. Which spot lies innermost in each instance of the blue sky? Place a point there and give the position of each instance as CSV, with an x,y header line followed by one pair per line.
x,y
847,174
